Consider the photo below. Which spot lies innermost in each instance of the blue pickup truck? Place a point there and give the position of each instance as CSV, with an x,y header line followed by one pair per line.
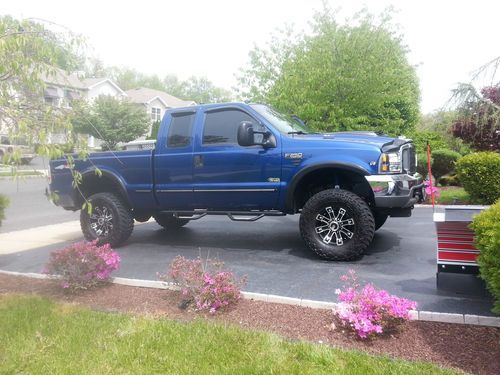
x,y
247,161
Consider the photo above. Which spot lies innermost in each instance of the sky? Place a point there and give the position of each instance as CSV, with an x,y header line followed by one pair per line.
x,y
448,40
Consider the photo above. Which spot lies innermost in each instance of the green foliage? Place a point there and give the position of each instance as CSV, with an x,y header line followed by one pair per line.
x,y
422,166
198,89
451,180
341,77
486,225
443,162
480,176
4,202
420,139
42,337
201,90
441,123
154,130
111,119
29,53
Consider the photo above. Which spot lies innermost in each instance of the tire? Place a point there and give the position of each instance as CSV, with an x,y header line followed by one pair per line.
x,y
379,219
107,208
331,238
168,221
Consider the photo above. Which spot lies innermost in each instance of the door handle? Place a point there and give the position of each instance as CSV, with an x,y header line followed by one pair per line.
x,y
198,161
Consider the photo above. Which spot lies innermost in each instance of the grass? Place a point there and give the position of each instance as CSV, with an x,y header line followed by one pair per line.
x,y
453,195
39,336
19,173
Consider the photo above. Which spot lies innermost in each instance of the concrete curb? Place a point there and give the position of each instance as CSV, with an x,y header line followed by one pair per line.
x,y
429,316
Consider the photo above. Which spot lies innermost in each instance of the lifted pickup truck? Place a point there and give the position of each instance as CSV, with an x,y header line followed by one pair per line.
x,y
247,161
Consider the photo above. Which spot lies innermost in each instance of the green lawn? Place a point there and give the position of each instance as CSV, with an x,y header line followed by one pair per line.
x,y
39,336
453,195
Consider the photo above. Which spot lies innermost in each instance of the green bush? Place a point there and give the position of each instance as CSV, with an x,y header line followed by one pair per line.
x,y
486,225
422,164
479,174
4,202
420,139
451,180
443,162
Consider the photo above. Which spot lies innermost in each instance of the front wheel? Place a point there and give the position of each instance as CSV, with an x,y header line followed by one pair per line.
x,y
110,220
337,225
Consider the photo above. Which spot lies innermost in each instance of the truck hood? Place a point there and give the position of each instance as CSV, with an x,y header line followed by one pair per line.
x,y
384,142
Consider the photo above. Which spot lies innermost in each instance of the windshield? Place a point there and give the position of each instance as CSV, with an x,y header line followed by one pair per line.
x,y
284,123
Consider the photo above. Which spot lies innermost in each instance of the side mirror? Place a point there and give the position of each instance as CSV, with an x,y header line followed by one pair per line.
x,y
249,136
246,134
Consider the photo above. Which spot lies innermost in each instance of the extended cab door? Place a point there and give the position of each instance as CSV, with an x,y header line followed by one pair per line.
x,y
173,161
228,176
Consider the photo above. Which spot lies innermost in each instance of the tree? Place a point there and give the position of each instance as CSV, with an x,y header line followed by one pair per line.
x,y
198,89
202,90
478,123
29,53
340,77
110,119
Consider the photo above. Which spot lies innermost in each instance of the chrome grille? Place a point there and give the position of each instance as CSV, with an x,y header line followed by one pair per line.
x,y
408,158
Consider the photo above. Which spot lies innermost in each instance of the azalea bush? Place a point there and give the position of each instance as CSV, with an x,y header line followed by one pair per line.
x,y
83,265
205,283
370,311
429,190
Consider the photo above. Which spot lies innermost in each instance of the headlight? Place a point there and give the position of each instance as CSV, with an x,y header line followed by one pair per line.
x,y
390,162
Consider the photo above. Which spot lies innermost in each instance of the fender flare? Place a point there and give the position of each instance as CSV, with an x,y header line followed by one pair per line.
x,y
113,177
350,167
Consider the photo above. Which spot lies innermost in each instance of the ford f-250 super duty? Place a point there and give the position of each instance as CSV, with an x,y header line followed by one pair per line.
x,y
247,161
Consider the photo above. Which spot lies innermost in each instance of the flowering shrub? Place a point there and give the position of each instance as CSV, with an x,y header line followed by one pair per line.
x,y
204,283
83,265
370,311
429,190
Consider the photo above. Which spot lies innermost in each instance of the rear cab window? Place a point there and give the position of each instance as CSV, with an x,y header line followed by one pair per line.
x,y
180,131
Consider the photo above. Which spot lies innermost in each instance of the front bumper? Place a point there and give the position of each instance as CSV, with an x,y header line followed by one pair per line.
x,y
397,190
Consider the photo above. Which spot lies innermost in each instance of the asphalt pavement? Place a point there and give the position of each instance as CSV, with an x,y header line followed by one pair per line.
x,y
401,259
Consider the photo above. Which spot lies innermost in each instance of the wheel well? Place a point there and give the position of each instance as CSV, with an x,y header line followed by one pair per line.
x,y
93,183
328,178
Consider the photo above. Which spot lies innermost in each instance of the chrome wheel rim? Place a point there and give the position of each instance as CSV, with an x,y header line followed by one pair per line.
x,y
334,226
101,221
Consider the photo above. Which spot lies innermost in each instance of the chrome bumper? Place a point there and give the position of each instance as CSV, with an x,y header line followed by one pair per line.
x,y
397,190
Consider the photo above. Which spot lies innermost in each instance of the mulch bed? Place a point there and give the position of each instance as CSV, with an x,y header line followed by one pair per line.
x,y
473,349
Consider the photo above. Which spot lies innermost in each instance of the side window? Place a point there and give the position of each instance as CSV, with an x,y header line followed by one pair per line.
x,y
222,126
180,130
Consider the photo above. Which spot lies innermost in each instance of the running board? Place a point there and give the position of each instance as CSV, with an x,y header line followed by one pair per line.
x,y
233,215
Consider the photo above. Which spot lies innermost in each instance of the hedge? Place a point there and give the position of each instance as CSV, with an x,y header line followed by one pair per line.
x,y
479,174
486,225
443,162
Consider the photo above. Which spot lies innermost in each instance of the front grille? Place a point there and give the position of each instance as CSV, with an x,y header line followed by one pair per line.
x,y
408,158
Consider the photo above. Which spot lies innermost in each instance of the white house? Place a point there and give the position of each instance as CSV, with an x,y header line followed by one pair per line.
x,y
156,102
62,88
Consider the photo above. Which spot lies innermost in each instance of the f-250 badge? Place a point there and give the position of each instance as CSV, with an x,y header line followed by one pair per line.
x,y
293,155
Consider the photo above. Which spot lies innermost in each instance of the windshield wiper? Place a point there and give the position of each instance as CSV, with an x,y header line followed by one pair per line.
x,y
299,132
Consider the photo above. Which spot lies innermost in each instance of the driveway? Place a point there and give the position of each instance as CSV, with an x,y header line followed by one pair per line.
x,y
401,259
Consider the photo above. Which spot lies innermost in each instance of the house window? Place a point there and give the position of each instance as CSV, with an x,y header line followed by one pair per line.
x,y
155,114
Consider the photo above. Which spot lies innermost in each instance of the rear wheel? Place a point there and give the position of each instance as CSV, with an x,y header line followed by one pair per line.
x,y
168,221
337,225
110,220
